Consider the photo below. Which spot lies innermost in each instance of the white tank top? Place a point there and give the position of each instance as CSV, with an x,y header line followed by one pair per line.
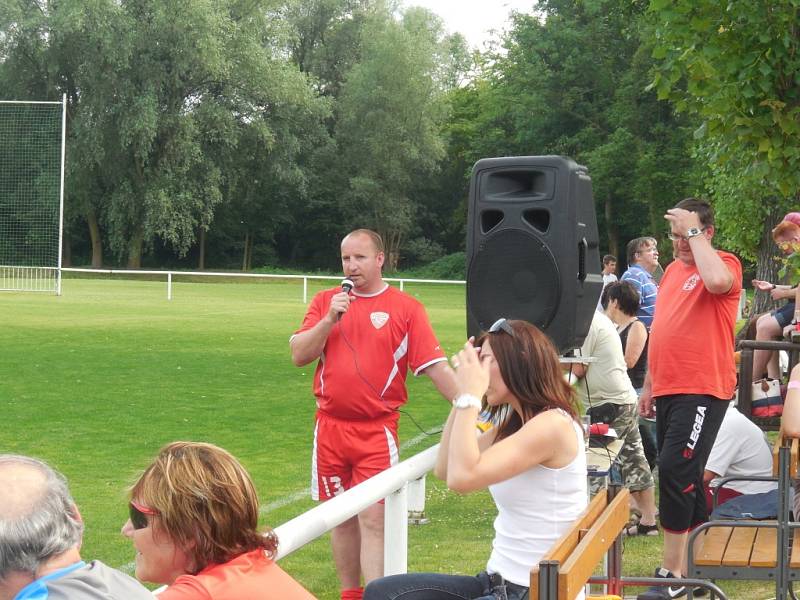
x,y
534,509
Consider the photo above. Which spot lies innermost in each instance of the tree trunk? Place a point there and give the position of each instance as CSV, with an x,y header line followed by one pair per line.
x,y
611,228
246,254
97,241
201,241
66,251
135,249
768,264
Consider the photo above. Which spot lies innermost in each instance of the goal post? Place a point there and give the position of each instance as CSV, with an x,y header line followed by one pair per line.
x,y
32,154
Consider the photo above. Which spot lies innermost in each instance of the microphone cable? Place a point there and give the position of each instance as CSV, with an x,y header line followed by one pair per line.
x,y
368,382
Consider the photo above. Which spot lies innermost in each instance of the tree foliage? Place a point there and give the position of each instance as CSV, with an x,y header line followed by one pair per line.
x,y
737,66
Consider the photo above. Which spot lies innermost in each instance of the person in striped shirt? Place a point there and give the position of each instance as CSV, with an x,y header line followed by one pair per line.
x,y
642,262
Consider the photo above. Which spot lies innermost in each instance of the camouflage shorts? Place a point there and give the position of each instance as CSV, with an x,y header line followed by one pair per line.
x,y
631,461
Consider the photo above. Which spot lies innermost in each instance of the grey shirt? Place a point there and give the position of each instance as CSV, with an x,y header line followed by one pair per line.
x,y
97,581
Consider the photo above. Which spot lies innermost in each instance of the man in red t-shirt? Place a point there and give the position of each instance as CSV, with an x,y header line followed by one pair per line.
x,y
691,375
366,341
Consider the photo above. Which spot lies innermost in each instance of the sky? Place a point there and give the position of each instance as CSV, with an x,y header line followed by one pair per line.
x,y
473,18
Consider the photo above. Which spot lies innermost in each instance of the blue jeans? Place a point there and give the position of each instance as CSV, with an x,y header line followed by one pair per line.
x,y
436,586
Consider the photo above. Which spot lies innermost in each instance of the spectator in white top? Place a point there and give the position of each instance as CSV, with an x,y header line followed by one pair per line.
x,y
739,450
609,275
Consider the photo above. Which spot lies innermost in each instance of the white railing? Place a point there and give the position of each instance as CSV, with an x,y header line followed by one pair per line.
x,y
403,487
171,274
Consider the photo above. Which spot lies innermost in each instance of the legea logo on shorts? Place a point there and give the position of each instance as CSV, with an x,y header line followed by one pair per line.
x,y
378,319
691,283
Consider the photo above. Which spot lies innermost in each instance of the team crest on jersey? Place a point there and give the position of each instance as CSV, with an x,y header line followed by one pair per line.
x,y
691,283
378,319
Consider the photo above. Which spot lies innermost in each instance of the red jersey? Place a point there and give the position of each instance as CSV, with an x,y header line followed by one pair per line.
x,y
692,337
249,575
362,371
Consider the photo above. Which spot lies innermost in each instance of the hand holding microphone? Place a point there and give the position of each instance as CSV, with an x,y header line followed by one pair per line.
x,y
341,302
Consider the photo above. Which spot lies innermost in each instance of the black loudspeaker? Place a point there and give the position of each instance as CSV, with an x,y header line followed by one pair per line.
x,y
532,246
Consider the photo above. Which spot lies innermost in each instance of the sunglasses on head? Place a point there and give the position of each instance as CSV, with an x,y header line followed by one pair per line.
x,y
138,515
502,325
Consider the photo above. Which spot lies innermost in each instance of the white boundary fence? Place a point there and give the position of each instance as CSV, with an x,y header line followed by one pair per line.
x,y
170,275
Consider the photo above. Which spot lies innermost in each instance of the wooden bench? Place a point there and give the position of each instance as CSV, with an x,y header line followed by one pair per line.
x,y
749,549
564,570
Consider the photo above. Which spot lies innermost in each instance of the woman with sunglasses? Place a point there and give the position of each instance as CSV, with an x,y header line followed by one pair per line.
x,y
532,461
193,522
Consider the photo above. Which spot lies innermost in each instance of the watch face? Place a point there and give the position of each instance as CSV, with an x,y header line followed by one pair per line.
x,y
693,231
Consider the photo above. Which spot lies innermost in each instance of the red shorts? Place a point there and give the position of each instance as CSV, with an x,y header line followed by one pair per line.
x,y
349,452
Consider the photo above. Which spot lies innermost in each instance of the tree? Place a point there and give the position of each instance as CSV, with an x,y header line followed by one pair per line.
x,y
389,118
162,95
735,65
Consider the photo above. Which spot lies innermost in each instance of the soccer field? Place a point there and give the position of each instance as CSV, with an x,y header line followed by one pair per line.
x,y
96,381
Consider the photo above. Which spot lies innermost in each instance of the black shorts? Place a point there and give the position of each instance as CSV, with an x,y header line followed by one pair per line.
x,y
686,427
784,314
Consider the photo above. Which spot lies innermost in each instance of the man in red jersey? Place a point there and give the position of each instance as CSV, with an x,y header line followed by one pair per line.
x,y
691,375
365,342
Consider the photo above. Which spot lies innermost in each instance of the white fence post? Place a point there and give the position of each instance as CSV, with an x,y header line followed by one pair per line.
x,y
395,533
416,502
305,290
169,286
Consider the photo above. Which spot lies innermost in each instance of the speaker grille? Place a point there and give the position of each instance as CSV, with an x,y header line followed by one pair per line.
x,y
514,275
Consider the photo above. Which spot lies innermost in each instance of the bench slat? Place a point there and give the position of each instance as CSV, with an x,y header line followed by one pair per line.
x,y
764,548
794,560
571,538
581,563
713,547
740,546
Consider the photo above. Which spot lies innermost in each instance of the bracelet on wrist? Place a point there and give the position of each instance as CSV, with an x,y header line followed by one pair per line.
x,y
774,286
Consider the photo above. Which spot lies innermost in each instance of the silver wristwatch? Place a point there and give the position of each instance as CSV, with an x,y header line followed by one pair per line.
x,y
467,401
692,232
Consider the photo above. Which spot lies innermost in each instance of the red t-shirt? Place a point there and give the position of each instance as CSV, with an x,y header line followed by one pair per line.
x,y
249,575
361,373
692,337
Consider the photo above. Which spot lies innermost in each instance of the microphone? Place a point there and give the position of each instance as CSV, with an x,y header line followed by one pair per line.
x,y
347,285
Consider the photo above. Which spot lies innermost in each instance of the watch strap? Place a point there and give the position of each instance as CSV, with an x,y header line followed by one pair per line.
x,y
467,401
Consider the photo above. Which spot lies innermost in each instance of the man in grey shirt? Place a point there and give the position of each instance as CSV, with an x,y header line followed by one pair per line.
x,y
41,532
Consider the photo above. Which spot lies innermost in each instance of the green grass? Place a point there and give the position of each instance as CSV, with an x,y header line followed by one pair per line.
x,y
95,381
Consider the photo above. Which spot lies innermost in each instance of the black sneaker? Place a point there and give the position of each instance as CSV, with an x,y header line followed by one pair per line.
x,y
663,592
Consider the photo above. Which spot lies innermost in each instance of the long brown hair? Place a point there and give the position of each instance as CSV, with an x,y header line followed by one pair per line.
x,y
206,503
529,365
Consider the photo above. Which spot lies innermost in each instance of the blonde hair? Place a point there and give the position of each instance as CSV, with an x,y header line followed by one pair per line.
x,y
206,503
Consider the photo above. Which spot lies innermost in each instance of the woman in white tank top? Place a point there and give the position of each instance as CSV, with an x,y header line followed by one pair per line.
x,y
532,462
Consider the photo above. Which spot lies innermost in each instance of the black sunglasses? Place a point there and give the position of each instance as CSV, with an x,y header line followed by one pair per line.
x,y
138,514
502,325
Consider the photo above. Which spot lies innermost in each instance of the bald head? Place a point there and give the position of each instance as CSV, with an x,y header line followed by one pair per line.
x,y
38,518
21,488
374,238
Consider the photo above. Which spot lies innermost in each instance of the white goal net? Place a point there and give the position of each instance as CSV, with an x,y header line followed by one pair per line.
x,y
32,139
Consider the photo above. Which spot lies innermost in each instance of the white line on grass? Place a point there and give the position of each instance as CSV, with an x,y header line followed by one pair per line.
x,y
300,494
